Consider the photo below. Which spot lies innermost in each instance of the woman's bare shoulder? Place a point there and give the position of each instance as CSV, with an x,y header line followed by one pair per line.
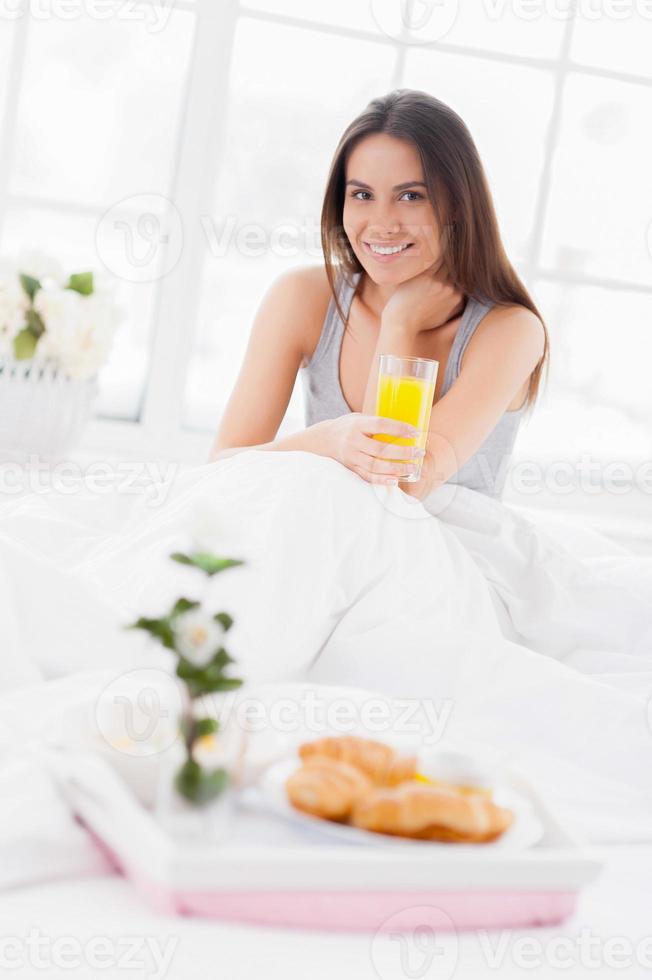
x,y
305,293
510,328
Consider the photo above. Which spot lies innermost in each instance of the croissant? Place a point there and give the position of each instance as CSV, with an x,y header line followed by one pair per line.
x,y
379,762
326,788
460,787
431,813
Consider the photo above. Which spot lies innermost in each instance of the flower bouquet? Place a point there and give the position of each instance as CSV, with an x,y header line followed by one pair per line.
x,y
56,331
196,637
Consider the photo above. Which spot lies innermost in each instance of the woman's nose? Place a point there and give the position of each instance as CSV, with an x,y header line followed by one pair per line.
x,y
385,222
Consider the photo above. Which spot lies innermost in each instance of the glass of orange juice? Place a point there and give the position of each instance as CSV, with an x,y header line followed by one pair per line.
x,y
405,392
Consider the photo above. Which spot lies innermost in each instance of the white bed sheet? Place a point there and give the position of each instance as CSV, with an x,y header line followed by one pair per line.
x,y
543,650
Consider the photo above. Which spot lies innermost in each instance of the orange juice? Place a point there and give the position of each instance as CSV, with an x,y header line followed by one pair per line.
x,y
406,399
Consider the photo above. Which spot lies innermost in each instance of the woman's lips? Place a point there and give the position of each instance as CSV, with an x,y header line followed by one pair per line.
x,y
387,258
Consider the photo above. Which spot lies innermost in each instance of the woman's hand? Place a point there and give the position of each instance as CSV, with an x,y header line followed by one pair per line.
x,y
423,302
428,479
349,440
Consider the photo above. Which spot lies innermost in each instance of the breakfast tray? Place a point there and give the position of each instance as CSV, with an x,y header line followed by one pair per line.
x,y
268,872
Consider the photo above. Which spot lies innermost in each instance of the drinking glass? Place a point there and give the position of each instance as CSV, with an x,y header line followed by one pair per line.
x,y
405,392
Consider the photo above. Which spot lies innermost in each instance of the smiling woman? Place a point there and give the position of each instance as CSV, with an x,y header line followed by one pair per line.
x,y
412,249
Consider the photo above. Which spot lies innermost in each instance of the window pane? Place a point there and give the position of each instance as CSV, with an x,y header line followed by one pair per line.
x,y
283,125
507,109
601,198
342,13
507,27
71,239
598,400
7,31
282,130
232,292
622,43
493,25
99,107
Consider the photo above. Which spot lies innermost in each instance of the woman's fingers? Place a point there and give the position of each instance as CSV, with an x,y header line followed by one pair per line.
x,y
389,450
374,477
377,424
377,466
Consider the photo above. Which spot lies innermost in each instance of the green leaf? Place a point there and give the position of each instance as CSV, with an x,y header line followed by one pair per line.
x,y
35,323
187,671
182,606
220,661
224,619
206,726
160,629
24,344
81,282
198,785
210,564
201,682
226,684
30,285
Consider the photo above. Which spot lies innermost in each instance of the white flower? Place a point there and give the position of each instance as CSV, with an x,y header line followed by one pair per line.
x,y
198,636
13,307
78,329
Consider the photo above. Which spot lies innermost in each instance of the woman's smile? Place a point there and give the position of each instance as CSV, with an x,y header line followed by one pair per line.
x,y
387,252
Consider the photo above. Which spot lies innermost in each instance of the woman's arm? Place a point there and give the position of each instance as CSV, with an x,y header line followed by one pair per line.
x,y
498,360
291,311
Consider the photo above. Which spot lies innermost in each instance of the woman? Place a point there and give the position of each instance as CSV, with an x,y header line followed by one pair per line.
x,y
415,266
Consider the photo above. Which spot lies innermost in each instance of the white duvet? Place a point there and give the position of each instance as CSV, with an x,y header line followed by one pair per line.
x,y
531,640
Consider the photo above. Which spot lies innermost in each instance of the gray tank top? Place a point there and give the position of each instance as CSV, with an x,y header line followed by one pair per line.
x,y
486,470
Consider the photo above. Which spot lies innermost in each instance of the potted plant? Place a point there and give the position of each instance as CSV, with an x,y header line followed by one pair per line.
x,y
56,331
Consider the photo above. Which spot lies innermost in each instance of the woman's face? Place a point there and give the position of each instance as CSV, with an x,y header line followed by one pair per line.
x,y
386,203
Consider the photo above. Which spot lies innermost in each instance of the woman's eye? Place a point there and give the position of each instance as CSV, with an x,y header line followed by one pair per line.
x,y
415,195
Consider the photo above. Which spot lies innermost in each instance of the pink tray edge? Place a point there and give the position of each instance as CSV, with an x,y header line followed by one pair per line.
x,y
355,911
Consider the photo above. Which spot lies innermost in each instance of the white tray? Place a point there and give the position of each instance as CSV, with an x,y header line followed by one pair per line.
x,y
270,872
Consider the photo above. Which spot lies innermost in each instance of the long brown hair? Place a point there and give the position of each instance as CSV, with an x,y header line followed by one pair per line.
x,y
457,186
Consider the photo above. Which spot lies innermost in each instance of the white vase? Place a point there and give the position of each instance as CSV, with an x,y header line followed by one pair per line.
x,y
42,411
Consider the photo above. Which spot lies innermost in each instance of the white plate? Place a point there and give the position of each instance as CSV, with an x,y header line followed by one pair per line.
x,y
270,796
